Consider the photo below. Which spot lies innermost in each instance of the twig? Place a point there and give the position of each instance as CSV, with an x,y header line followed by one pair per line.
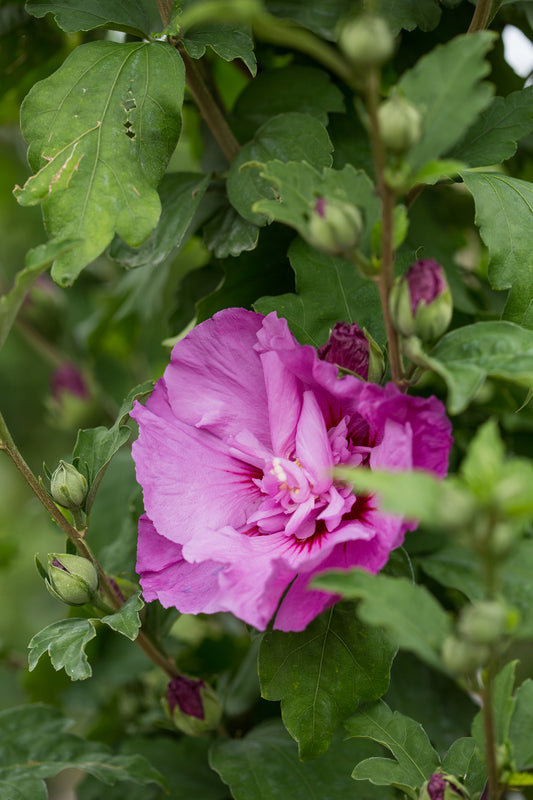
x,y
482,16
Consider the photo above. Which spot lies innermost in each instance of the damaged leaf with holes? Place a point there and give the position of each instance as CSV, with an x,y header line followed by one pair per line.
x,y
101,131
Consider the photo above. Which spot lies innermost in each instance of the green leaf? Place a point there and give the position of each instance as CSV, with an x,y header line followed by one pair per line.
x,y
101,131
521,726
320,16
264,765
414,757
287,137
296,186
484,462
323,673
410,14
494,135
228,40
465,760
503,706
504,214
329,290
228,234
446,87
180,195
408,612
138,17
65,642
35,745
465,357
307,90
37,261
127,621
434,171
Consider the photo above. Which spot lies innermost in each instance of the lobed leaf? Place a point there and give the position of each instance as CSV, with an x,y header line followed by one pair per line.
x,y
137,17
65,642
101,131
228,40
323,673
410,14
127,621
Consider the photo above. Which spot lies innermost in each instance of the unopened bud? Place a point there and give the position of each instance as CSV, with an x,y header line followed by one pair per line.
x,y
441,786
354,350
421,302
335,227
400,124
463,657
366,41
68,487
71,579
485,622
192,705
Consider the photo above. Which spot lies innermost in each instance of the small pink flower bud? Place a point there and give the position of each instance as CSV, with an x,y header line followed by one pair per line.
x,y
68,379
192,705
421,302
443,787
71,401
335,227
353,349
71,579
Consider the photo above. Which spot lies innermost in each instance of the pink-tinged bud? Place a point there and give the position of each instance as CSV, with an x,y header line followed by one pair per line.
x,y
192,705
354,350
71,403
443,787
335,227
421,302
71,579
68,379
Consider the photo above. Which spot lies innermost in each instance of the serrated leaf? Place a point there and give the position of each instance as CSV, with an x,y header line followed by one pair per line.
x,y
37,261
503,706
414,757
228,40
180,194
321,16
228,234
264,765
101,130
464,759
127,621
521,727
466,356
138,17
494,135
323,673
504,215
328,290
34,744
410,14
409,613
297,185
446,87
286,137
65,643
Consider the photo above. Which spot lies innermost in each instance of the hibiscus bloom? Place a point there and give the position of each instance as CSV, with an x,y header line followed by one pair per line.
x,y
236,452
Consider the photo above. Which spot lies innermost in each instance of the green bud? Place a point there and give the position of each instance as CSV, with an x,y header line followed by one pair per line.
x,y
442,786
463,657
421,302
335,227
71,579
68,487
192,705
484,622
400,124
366,41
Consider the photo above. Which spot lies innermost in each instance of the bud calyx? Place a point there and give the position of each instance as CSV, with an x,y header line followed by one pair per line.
x,y
68,487
71,579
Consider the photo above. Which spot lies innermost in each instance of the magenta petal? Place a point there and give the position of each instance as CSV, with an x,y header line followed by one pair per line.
x,y
312,444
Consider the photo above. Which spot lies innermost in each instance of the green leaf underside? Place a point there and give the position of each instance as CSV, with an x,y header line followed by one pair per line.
x,y
465,357
297,186
287,137
329,290
101,130
414,757
37,261
493,136
35,745
445,87
323,673
504,214
229,41
408,612
180,195
139,17
266,759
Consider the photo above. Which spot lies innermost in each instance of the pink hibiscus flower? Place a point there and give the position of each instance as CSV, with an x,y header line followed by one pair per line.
x,y
236,450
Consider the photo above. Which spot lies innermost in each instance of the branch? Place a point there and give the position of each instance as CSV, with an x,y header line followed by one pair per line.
x,y
482,16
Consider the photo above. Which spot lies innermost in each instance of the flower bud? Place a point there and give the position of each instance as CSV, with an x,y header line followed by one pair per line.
x,y
366,41
484,622
335,227
421,302
463,657
71,579
400,124
443,787
192,705
354,350
68,487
